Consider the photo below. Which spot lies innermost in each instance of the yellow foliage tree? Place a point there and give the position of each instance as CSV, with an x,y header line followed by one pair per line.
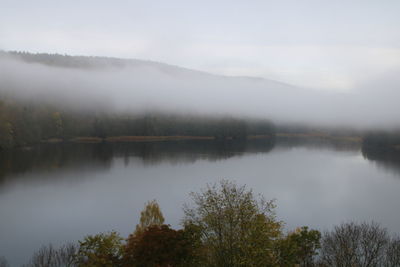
x,y
150,216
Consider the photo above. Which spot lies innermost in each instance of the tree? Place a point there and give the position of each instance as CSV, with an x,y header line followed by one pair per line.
x,y
105,249
392,258
98,129
6,133
299,247
236,228
159,246
58,124
351,244
229,128
49,256
151,215
3,262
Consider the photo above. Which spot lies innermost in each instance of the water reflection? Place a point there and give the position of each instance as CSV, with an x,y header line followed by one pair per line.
x,y
385,159
58,193
56,157
318,143
47,159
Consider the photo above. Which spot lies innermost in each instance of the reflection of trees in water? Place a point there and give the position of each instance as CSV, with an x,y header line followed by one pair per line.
x,y
318,143
190,151
54,157
47,158
385,158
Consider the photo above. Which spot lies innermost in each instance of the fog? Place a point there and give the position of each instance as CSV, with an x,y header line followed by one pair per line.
x,y
159,87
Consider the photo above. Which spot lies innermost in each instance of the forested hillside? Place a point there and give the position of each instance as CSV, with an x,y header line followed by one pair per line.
x,y
24,124
96,62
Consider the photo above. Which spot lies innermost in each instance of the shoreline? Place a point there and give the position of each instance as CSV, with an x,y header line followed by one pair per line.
x,y
127,139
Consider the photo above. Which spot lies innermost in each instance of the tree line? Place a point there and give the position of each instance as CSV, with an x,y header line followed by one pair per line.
x,y
382,140
226,225
23,124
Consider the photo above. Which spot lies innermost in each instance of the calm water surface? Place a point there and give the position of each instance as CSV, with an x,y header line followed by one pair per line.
x,y
59,193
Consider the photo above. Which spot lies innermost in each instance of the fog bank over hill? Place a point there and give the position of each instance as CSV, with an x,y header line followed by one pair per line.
x,y
139,86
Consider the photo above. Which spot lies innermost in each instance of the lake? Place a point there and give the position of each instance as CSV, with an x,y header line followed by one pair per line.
x,y
62,192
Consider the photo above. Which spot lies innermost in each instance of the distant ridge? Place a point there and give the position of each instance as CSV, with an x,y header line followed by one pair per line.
x,y
99,62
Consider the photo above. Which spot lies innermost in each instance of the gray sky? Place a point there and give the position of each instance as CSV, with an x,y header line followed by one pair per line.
x,y
320,44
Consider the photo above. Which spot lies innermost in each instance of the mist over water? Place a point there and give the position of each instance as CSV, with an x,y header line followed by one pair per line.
x,y
152,86
105,105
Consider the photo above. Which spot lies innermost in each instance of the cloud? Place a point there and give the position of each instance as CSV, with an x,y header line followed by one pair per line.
x,y
150,86
338,67
316,44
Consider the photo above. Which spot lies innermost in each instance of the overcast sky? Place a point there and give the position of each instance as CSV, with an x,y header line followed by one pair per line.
x,y
320,44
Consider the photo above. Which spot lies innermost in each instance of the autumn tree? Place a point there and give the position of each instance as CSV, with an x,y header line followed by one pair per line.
x,y
150,215
236,228
105,249
160,246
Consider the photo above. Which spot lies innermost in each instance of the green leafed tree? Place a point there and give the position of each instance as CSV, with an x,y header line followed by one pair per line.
x,y
299,247
105,249
237,228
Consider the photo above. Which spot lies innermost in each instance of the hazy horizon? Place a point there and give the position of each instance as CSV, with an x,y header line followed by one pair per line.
x,y
334,46
325,63
152,86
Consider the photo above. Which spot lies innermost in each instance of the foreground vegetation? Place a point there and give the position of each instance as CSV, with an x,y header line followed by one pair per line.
x,y
226,225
